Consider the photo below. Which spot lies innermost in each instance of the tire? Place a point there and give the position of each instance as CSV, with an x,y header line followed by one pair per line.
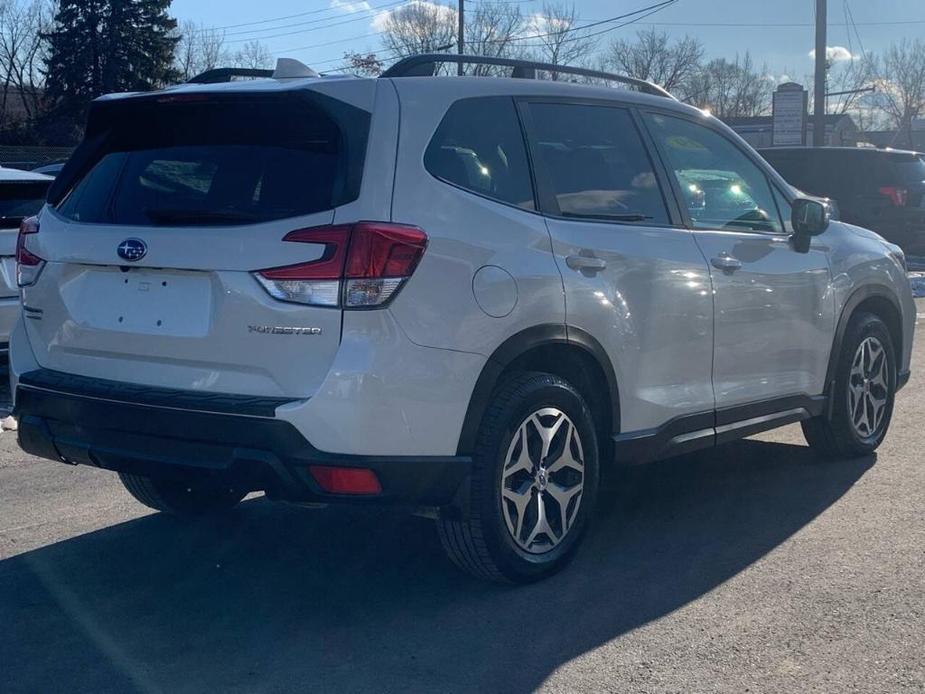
x,y
857,421
501,538
180,498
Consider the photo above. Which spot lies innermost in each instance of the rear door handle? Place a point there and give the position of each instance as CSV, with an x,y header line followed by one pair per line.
x,y
726,262
585,262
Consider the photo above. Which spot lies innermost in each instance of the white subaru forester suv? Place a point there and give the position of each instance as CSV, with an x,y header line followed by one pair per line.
x,y
458,295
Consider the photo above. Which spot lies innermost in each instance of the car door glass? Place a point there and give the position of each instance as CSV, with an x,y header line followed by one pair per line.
x,y
593,160
479,146
722,188
785,209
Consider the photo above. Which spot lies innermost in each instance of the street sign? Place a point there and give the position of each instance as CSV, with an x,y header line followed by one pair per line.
x,y
789,115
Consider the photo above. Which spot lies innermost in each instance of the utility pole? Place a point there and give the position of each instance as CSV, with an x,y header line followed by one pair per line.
x,y
461,35
821,68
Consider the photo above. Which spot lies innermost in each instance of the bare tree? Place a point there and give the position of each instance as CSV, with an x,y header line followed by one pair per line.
x,y
654,57
22,50
846,79
418,27
558,38
200,48
364,64
492,29
253,55
902,84
732,89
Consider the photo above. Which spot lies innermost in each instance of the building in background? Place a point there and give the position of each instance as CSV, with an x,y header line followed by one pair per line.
x,y
758,131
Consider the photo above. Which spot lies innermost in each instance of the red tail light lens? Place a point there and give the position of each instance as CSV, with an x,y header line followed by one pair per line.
x,y
28,264
898,196
363,265
346,480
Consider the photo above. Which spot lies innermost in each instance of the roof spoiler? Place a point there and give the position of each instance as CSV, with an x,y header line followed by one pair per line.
x,y
286,68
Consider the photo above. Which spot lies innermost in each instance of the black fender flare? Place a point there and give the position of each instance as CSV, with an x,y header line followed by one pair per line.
x,y
857,297
517,345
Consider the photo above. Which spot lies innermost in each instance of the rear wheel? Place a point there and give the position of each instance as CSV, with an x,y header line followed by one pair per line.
x,y
534,483
180,498
864,389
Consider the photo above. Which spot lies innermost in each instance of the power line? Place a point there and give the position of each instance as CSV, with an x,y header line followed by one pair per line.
x,y
365,17
776,25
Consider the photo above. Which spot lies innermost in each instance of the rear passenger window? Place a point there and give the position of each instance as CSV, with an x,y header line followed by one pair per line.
x,y
479,146
595,163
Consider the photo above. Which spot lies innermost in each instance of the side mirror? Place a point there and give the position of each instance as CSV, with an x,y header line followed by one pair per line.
x,y
810,218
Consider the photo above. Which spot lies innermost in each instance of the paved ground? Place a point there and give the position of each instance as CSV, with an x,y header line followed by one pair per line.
x,y
754,568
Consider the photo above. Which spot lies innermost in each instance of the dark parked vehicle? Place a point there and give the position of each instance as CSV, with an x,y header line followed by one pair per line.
x,y
881,190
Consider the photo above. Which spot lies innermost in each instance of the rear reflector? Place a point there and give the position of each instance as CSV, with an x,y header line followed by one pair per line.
x,y
362,265
346,480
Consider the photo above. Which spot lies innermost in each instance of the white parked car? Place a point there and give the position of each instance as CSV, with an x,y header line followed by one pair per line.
x,y
458,295
22,194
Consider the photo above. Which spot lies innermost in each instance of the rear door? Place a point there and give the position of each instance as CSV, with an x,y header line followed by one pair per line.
x,y
774,310
161,224
634,278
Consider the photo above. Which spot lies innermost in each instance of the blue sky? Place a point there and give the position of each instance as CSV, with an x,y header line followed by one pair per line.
x,y
326,28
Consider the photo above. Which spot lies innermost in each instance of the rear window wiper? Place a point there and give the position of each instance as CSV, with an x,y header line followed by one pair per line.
x,y
181,216
627,217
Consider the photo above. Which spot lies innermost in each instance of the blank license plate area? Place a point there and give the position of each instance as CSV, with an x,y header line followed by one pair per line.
x,y
144,301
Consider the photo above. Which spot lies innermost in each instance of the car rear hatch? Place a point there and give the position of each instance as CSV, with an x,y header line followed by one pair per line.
x,y
158,228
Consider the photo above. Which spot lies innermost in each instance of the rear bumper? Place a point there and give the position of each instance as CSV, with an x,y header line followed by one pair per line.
x,y
9,313
92,422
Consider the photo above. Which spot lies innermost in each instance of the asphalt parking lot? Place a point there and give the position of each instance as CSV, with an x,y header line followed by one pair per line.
x,y
750,568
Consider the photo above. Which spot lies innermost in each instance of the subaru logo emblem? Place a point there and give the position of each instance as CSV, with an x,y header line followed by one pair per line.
x,y
132,250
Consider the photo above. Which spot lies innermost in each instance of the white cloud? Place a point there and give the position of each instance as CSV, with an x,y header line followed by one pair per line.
x,y
836,54
351,6
381,18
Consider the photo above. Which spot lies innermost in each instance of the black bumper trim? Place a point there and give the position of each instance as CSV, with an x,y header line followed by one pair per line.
x,y
902,378
152,396
259,454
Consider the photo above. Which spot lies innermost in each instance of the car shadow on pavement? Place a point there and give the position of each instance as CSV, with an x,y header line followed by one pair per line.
x,y
280,598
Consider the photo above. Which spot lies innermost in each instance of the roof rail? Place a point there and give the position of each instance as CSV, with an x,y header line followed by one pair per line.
x,y
425,65
227,74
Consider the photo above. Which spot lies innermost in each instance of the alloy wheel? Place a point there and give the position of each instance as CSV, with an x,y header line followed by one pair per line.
x,y
868,387
542,480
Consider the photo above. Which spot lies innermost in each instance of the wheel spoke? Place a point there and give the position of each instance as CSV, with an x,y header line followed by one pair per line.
x,y
522,462
563,496
566,459
521,500
542,525
547,434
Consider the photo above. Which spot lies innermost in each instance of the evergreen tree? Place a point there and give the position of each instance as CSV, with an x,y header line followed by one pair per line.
x,y
102,46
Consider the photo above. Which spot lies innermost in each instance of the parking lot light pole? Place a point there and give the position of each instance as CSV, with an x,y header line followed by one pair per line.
x,y
821,65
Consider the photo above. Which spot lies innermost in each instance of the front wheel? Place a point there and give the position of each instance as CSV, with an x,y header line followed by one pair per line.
x,y
863,393
180,498
534,483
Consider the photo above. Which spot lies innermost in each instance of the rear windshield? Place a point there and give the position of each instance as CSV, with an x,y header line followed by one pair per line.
x,y
21,200
911,171
218,162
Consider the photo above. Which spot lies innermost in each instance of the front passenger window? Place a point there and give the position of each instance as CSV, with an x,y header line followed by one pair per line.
x,y
722,188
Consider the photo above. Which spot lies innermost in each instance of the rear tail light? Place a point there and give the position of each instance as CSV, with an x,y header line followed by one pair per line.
x,y
898,196
346,480
28,265
363,265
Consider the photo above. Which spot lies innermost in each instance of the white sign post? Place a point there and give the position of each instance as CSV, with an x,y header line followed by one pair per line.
x,y
789,119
